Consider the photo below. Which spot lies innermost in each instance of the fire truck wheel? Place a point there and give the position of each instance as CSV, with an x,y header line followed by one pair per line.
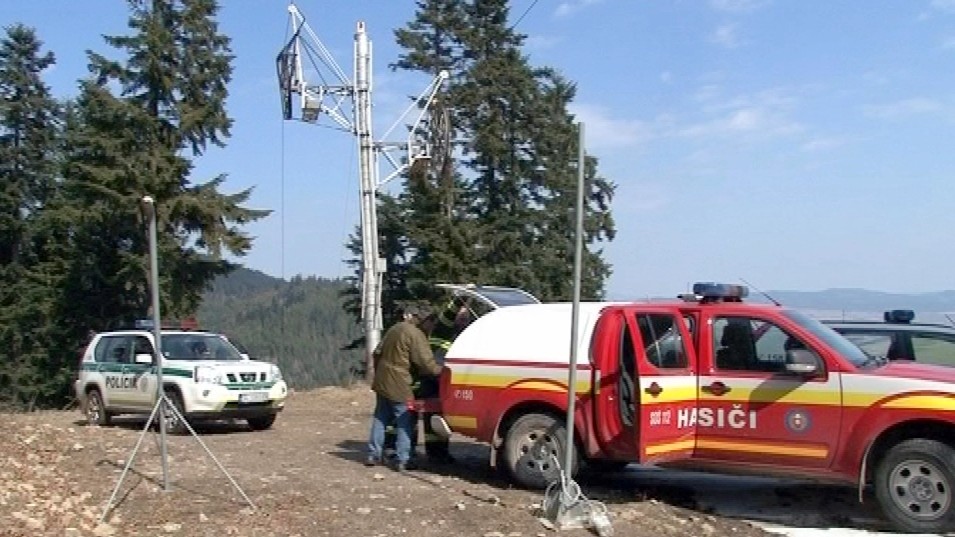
x,y
915,485
534,450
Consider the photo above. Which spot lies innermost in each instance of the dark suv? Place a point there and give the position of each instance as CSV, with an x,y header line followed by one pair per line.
x,y
898,338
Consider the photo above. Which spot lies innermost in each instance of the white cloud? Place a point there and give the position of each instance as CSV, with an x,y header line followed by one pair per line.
x,y
766,113
725,36
822,144
541,42
737,6
572,6
903,108
947,6
604,128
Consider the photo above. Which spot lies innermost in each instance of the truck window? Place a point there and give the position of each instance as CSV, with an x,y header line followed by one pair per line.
x,y
626,383
662,340
747,344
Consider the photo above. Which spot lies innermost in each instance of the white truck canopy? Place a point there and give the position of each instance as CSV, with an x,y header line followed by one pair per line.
x,y
530,332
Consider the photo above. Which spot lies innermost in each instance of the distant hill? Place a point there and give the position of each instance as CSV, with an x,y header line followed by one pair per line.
x,y
299,324
865,304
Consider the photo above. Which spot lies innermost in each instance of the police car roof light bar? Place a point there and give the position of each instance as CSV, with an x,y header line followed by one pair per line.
x,y
899,316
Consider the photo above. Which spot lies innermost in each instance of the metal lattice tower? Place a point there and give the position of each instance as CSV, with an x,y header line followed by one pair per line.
x,y
348,104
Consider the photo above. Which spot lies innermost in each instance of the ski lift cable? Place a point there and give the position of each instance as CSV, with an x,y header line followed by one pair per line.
x,y
526,11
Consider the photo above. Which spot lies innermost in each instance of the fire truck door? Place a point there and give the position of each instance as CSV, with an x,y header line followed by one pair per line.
x,y
617,403
666,383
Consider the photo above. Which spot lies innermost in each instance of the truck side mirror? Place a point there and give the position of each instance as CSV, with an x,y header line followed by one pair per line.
x,y
143,358
802,362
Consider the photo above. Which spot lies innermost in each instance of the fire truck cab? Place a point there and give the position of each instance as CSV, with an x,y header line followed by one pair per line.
x,y
706,381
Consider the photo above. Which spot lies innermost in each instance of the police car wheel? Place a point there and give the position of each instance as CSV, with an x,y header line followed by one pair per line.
x,y
534,450
261,423
96,413
175,425
915,485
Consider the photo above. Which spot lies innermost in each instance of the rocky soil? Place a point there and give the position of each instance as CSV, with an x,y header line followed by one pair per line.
x,y
305,478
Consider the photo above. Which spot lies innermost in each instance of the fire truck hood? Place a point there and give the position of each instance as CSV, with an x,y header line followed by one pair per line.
x,y
913,370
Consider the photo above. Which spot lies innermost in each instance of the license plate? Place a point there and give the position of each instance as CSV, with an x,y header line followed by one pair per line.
x,y
253,397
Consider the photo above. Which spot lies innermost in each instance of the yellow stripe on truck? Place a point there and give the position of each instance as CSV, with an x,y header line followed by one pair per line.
x,y
922,402
461,422
815,452
672,446
760,395
757,447
669,395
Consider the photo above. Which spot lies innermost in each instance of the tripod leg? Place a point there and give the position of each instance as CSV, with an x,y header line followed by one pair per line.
x,y
129,462
222,469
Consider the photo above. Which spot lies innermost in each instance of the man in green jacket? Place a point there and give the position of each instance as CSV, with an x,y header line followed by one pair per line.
x,y
403,346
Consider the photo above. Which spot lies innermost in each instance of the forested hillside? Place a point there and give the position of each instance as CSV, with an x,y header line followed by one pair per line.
x,y
300,324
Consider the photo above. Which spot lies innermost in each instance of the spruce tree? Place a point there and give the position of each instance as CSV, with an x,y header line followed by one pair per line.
x,y
29,123
516,148
170,106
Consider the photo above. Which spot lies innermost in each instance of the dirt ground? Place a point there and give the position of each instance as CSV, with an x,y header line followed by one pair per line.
x,y
305,477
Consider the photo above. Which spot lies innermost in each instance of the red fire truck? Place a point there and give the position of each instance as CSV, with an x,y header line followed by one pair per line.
x,y
706,381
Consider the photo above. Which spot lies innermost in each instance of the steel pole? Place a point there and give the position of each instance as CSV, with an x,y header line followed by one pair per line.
x,y
157,335
575,309
370,293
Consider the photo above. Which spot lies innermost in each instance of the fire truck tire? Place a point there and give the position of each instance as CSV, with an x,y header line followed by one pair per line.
x,y
915,486
534,450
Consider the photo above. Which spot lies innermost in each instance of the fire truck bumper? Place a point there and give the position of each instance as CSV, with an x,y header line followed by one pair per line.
x,y
440,426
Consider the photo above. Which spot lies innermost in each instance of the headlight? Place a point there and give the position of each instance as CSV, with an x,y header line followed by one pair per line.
x,y
207,375
276,373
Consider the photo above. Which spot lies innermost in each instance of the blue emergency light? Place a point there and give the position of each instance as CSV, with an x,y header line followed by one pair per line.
x,y
899,316
720,291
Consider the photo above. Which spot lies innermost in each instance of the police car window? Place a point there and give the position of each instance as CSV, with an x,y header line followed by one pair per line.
x,y
196,346
143,346
662,340
937,349
874,344
113,349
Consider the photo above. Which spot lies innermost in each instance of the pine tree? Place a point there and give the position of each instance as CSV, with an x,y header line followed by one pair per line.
x,y
170,107
29,123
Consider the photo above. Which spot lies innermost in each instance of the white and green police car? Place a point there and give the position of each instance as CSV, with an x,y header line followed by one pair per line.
x,y
204,376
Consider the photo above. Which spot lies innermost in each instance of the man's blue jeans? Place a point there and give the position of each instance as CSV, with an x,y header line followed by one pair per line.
x,y
385,412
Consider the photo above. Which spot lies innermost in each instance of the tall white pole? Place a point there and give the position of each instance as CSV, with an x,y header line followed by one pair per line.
x,y
150,207
575,309
370,293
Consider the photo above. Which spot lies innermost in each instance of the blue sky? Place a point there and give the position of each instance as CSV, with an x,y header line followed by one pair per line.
x,y
799,145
